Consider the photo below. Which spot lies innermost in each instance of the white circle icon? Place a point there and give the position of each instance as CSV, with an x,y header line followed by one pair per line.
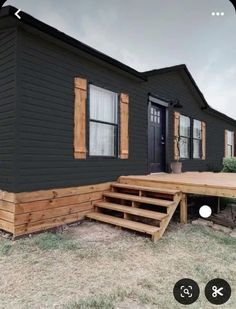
x,y
205,211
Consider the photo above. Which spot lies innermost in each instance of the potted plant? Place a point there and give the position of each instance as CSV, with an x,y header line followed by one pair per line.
x,y
176,166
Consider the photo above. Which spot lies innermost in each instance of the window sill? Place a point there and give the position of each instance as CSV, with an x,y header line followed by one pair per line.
x,y
101,157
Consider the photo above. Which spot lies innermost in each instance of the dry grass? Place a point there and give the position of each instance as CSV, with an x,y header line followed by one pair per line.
x,y
98,266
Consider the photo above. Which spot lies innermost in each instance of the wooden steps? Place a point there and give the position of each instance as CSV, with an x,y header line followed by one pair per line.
x,y
132,210
129,202
140,199
132,225
145,189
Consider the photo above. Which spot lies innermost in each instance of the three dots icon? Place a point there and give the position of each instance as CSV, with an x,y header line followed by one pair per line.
x,y
217,13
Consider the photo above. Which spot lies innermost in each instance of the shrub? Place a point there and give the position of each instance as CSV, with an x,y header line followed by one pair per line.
x,y
229,165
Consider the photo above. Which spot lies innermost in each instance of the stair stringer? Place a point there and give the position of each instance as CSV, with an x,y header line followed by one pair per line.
x,y
165,222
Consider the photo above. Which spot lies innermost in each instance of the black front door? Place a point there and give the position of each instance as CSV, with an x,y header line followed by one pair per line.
x,y
156,138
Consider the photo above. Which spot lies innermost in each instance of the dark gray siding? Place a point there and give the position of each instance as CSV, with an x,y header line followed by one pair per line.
x,y
45,116
174,85
7,108
45,140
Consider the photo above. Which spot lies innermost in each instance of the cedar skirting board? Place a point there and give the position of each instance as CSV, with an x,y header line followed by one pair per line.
x,y
29,212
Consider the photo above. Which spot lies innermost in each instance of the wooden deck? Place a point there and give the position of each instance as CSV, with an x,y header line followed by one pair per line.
x,y
200,183
132,198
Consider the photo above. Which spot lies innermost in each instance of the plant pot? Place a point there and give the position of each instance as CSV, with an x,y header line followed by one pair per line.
x,y
176,167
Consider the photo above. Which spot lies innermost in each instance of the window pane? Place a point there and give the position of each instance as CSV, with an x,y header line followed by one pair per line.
x,y
197,129
230,138
229,151
102,139
103,105
184,126
197,148
184,148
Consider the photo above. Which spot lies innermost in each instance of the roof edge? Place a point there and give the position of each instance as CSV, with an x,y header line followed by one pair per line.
x,y
41,26
184,67
164,70
143,76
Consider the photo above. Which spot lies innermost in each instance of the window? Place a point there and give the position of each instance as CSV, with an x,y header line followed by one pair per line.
x,y
155,115
229,144
103,122
190,138
184,140
197,139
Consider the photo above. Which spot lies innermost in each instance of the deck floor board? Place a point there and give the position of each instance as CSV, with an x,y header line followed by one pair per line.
x,y
203,183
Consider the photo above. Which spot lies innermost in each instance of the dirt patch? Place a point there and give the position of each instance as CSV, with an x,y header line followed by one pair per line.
x,y
95,265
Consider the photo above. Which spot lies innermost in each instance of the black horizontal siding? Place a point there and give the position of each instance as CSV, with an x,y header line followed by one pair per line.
x,y
7,108
46,115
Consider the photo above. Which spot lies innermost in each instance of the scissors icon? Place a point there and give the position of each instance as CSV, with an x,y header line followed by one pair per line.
x,y
217,291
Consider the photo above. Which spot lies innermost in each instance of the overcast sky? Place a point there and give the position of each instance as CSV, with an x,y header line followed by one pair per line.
x,y
149,34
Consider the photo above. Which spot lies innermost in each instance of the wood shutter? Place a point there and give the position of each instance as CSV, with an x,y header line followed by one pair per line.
x,y
124,126
203,140
80,86
176,135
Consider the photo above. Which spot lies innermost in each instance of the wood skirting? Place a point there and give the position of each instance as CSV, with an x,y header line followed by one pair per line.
x,y
29,212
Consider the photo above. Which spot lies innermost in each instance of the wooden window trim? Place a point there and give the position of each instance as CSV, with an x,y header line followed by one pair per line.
x,y
81,124
203,140
176,135
124,126
80,89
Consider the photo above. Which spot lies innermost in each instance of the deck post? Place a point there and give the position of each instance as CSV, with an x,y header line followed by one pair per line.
x,y
218,204
184,209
